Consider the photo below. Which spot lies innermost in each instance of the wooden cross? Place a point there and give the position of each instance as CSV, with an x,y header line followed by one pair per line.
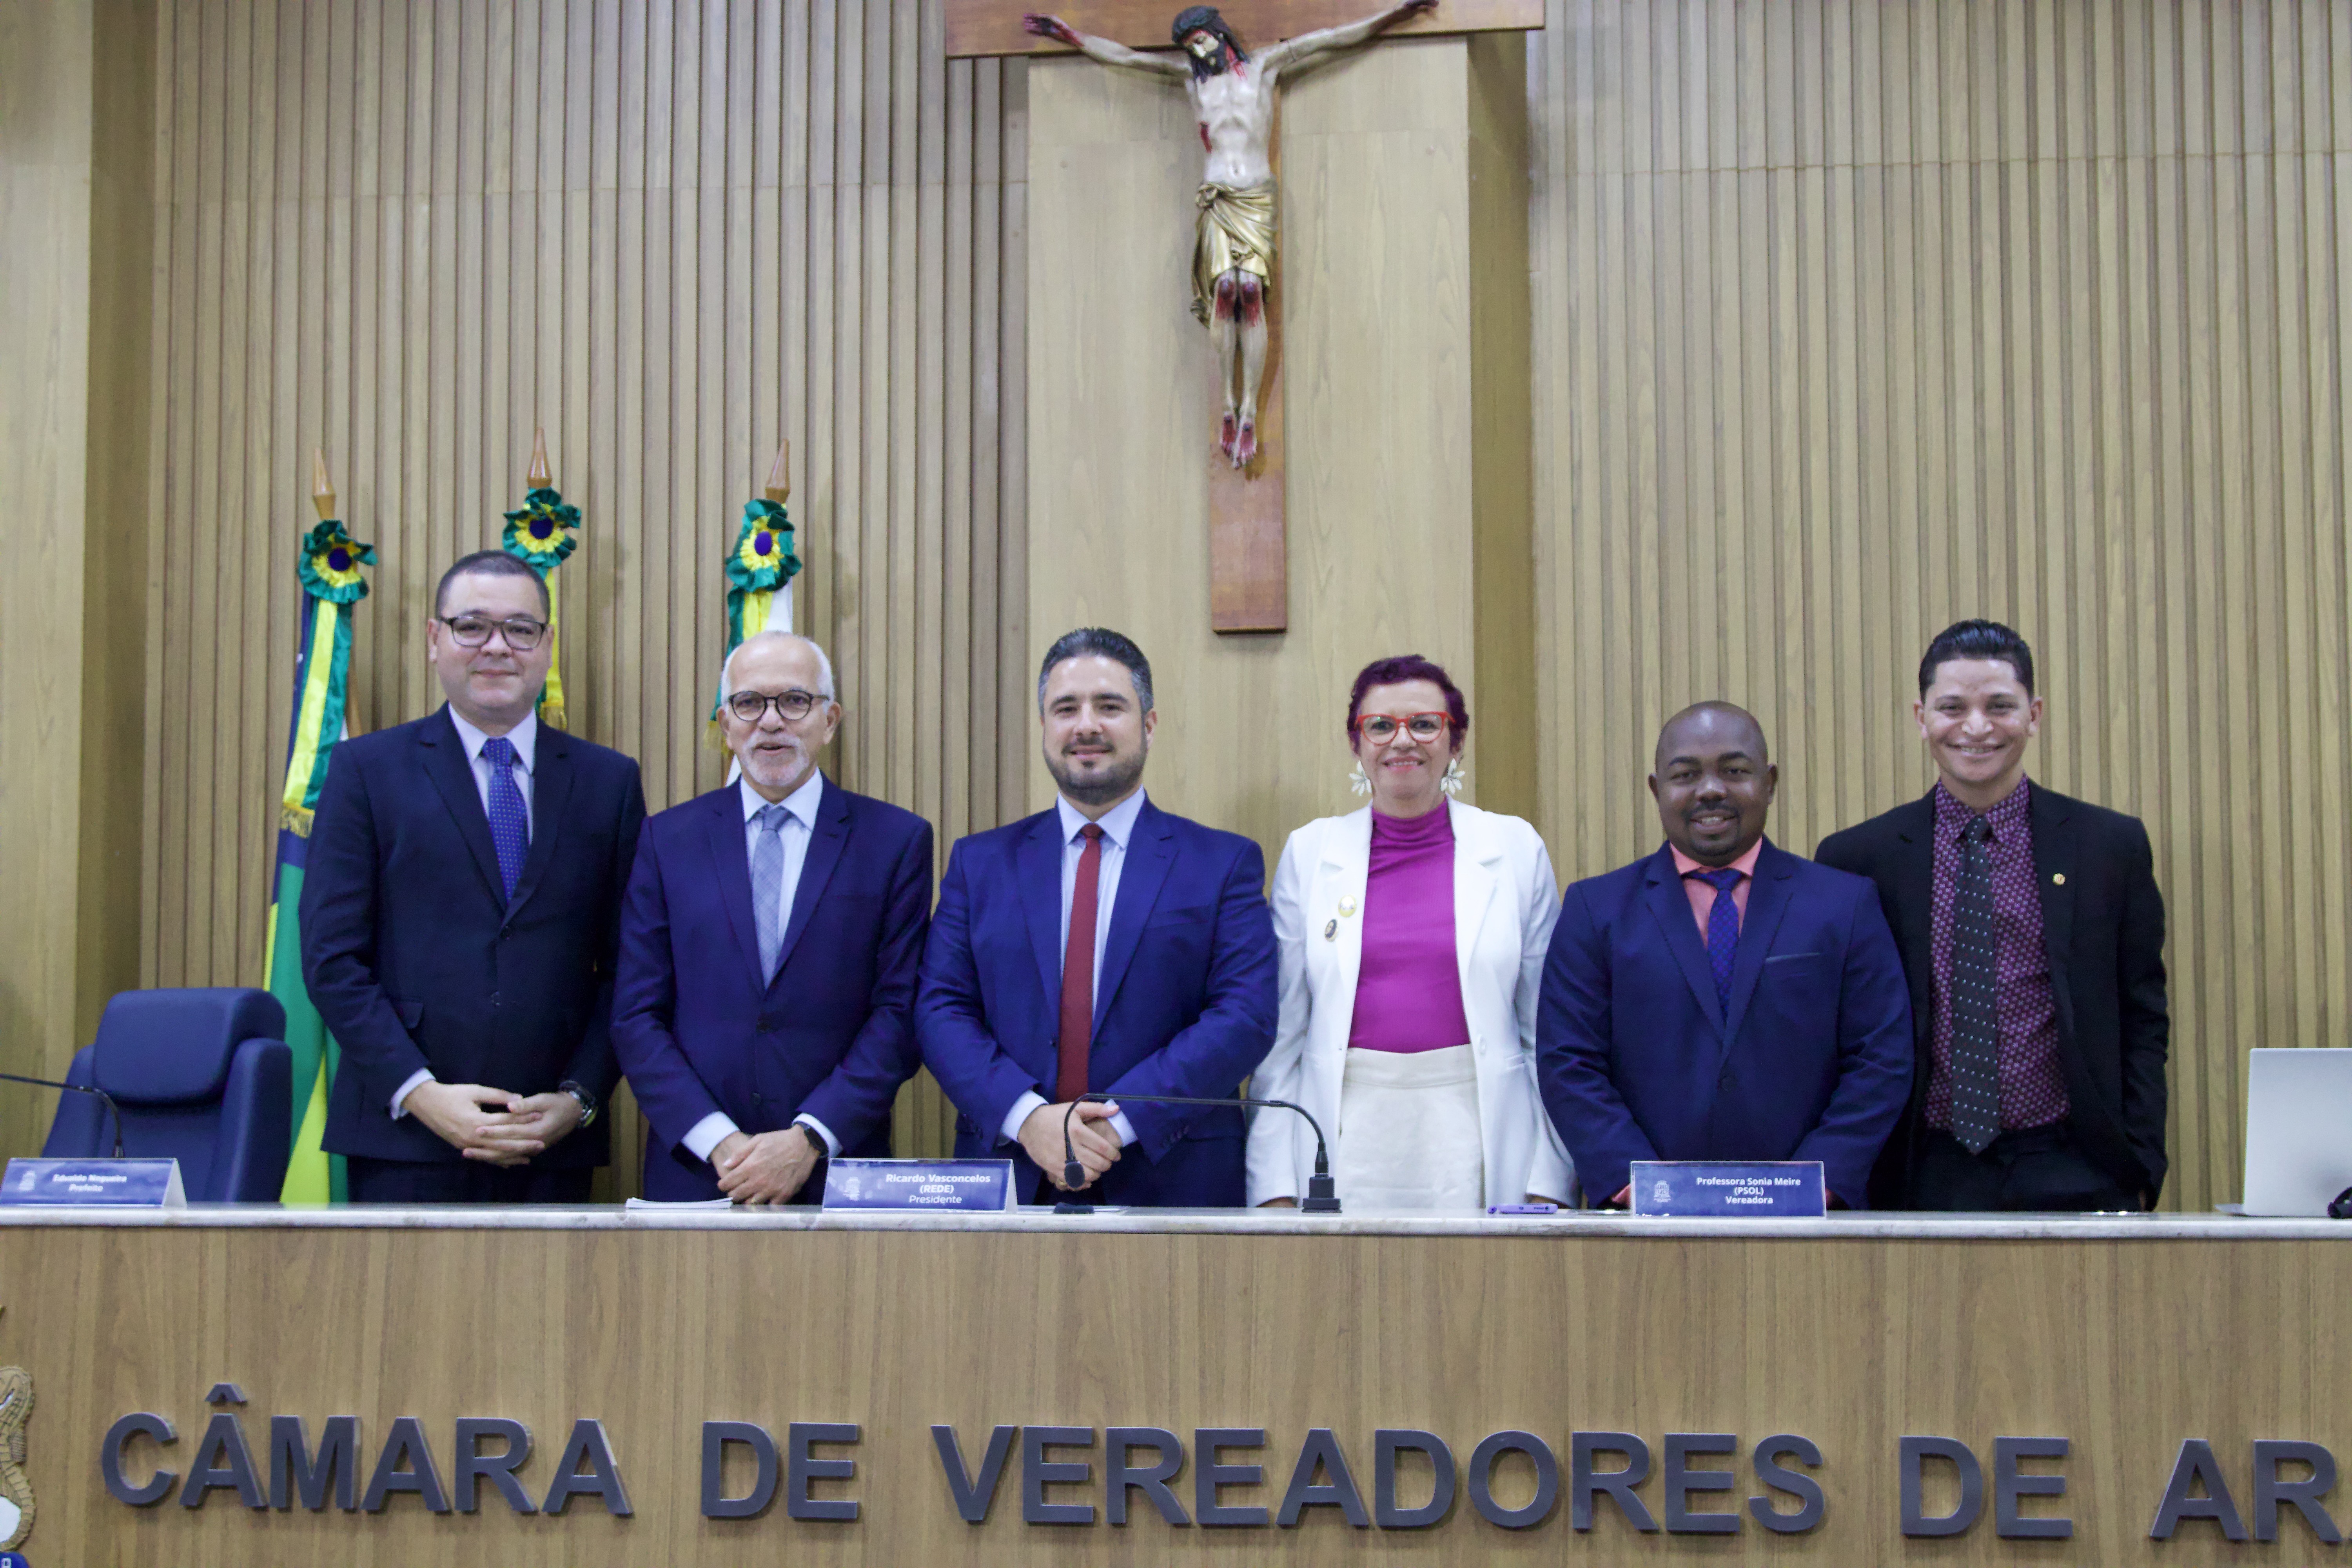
x,y
1248,549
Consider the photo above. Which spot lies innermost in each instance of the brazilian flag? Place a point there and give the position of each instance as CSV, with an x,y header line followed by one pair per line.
x,y
542,534
760,567
329,567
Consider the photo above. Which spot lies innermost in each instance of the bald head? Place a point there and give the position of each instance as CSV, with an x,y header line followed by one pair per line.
x,y
1703,723
1713,783
765,647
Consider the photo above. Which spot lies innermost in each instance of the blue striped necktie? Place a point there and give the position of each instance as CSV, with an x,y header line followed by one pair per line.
x,y
768,885
510,823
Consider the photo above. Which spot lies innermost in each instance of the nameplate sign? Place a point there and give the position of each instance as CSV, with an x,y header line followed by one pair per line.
x,y
982,1185
1729,1189
109,1184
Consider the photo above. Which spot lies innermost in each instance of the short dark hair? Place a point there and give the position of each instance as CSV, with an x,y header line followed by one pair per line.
x,y
1408,667
1978,640
489,563
1092,641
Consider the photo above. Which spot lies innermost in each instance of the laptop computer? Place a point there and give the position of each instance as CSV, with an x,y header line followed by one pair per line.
x,y
2298,1131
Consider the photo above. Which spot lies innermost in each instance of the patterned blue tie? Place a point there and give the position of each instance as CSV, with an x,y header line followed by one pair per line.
x,y
510,823
768,885
1722,932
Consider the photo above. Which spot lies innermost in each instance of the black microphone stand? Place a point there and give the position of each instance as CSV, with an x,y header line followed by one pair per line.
x,y
1320,1197
111,1109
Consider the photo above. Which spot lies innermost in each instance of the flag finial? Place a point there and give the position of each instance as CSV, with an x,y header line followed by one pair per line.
x,y
541,476
322,489
780,475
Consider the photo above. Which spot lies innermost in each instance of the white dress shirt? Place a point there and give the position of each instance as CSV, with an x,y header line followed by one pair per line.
x,y
525,740
800,826
1118,825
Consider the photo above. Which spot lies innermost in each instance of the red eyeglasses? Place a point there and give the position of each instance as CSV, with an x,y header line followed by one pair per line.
x,y
1380,729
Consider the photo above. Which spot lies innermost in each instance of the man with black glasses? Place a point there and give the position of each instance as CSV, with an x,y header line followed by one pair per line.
x,y
769,951
460,920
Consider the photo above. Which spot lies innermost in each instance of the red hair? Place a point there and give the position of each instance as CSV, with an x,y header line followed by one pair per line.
x,y
1401,668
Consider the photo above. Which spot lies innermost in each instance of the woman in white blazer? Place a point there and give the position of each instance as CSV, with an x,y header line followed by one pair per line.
x,y
1412,934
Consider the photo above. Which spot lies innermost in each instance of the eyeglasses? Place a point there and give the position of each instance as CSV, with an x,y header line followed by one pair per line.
x,y
522,633
793,706
1380,729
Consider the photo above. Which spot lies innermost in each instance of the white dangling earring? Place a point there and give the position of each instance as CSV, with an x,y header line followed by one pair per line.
x,y
1356,782
1454,779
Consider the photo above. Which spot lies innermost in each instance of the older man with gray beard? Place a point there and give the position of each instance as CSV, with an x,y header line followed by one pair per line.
x,y
770,946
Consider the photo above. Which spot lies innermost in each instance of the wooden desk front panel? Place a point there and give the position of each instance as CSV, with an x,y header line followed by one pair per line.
x,y
2126,1348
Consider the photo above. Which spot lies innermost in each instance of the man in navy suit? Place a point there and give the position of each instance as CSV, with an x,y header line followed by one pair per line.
x,y
1101,946
459,919
769,951
1722,999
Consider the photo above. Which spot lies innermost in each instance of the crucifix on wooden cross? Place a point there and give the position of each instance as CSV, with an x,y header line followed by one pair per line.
x,y
1233,93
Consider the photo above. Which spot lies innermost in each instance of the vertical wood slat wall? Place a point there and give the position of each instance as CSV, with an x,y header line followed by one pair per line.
x,y
1850,318
1854,319
671,233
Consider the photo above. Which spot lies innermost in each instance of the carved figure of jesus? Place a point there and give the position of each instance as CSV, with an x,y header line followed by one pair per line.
x,y
1233,95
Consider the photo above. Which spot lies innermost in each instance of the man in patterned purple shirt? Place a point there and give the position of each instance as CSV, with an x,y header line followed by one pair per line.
x,y
2033,936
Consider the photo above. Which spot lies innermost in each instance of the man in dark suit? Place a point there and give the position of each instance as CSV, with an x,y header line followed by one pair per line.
x,y
2032,935
459,918
1721,999
1103,945
769,951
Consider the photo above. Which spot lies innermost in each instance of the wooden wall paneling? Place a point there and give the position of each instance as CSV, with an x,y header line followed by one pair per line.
x,y
76,137
118,540
671,235
2034,312
1008,384
1379,208
1849,319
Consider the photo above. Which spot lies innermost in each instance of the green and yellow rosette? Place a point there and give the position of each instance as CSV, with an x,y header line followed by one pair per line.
x,y
329,565
760,566
543,534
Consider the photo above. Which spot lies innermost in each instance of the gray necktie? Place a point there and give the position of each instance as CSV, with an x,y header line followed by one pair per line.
x,y
1976,1030
768,885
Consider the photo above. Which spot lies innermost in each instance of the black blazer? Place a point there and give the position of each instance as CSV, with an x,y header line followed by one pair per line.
x,y
415,958
2103,933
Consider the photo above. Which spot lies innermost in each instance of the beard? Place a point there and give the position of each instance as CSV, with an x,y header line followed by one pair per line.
x,y
772,769
1116,778
1203,69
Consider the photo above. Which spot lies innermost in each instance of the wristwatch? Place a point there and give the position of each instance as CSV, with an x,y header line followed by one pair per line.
x,y
816,1140
587,1101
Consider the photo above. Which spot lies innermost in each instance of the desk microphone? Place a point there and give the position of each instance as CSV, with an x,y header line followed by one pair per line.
x,y
1319,1199
108,1101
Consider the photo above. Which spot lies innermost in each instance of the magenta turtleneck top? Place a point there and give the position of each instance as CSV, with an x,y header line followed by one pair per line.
x,y
1409,989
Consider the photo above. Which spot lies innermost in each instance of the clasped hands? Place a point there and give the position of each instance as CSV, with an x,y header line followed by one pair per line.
x,y
467,1117
759,1168
1094,1142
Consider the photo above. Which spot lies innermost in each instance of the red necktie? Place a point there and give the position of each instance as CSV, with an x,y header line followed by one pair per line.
x,y
1078,973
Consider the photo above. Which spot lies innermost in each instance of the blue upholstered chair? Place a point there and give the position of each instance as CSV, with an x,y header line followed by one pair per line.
x,y
202,1076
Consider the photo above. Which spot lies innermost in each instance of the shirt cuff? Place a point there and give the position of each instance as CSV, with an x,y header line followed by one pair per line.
x,y
400,1094
709,1133
832,1144
1125,1129
1010,1132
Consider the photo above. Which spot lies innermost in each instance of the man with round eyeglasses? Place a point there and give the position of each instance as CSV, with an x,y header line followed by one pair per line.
x,y
460,920
769,945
